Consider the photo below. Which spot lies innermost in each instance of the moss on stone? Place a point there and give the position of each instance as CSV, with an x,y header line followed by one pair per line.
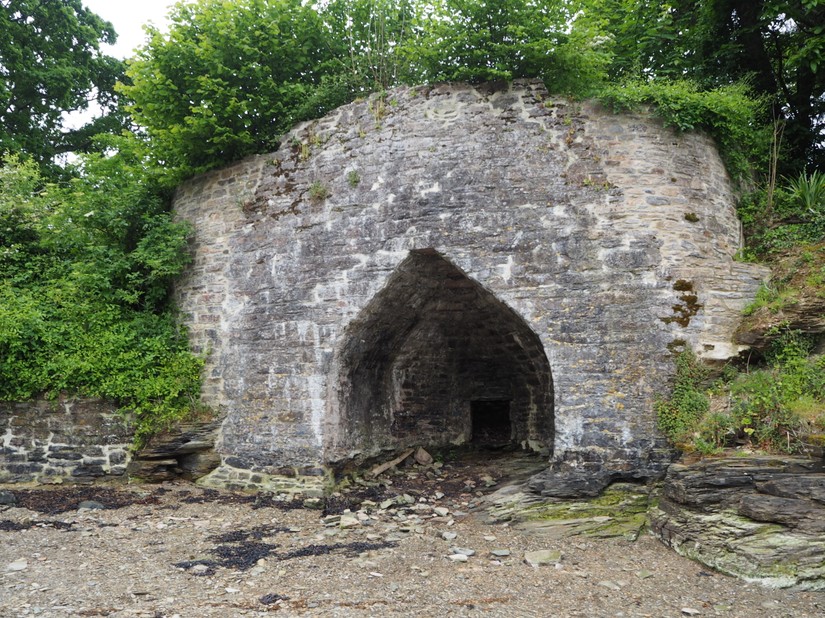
x,y
618,503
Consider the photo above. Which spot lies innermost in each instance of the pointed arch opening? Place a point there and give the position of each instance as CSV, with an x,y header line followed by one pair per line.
x,y
435,359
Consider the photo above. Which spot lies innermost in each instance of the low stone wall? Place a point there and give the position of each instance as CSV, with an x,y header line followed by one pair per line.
x,y
762,519
234,474
44,441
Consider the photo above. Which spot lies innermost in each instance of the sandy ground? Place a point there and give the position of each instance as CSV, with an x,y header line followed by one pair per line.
x,y
179,550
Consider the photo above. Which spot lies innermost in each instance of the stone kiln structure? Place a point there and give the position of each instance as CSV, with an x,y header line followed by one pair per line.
x,y
456,264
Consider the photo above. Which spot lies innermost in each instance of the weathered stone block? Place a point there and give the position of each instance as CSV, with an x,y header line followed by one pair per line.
x,y
64,453
24,469
117,457
93,470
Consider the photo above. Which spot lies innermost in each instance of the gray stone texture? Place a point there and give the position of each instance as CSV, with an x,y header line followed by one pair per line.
x,y
77,439
185,450
760,518
409,256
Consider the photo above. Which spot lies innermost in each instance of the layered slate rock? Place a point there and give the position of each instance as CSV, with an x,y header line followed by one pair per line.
x,y
455,264
186,450
758,518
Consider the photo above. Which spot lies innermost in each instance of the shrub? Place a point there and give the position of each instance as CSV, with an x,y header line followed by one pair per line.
x,y
771,408
679,416
84,277
795,215
809,190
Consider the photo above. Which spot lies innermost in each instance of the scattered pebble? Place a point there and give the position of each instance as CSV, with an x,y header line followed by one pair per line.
x,y
17,565
542,557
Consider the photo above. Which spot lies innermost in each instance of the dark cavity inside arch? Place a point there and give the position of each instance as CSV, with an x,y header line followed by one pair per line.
x,y
436,359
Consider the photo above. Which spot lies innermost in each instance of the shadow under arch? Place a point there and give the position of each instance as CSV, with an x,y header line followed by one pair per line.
x,y
436,359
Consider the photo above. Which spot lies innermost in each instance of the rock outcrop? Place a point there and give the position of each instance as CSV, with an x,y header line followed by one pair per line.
x,y
759,518
798,304
186,451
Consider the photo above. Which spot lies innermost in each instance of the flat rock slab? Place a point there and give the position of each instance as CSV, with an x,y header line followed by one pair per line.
x,y
620,511
542,557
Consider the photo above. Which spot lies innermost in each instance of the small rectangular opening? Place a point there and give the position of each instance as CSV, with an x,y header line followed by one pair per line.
x,y
491,422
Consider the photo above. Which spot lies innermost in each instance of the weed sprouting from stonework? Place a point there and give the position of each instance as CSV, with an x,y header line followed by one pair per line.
x,y
318,191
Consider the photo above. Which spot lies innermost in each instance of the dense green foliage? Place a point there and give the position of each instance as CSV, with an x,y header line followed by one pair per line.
x,y
790,215
229,79
369,39
486,40
777,47
778,407
782,402
85,271
50,64
231,75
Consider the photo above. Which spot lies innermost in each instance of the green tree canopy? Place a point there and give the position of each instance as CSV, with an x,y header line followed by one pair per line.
x,y
231,76
51,64
369,39
228,78
483,40
85,269
777,47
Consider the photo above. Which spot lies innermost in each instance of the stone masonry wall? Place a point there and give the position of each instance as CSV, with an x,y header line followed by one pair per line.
x,y
607,239
49,441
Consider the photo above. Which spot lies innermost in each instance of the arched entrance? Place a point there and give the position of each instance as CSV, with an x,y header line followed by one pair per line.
x,y
435,359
